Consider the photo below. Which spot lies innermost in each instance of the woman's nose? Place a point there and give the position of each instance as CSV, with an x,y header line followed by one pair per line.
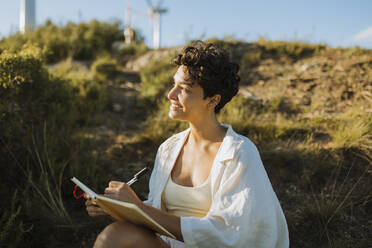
x,y
172,94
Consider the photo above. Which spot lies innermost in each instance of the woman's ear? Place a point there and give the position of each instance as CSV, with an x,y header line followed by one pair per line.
x,y
214,100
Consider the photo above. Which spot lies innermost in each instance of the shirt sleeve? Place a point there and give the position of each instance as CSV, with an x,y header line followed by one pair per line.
x,y
244,212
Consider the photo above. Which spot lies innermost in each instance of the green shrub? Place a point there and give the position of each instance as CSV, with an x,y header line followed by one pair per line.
x,y
80,41
157,77
235,48
250,59
159,126
27,88
293,49
70,69
227,45
134,49
90,95
104,69
28,92
39,114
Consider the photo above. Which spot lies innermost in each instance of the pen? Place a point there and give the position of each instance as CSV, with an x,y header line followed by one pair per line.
x,y
137,176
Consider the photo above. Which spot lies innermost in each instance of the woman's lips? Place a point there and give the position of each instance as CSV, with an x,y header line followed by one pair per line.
x,y
175,107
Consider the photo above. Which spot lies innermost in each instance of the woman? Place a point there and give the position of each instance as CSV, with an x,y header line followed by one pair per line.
x,y
208,186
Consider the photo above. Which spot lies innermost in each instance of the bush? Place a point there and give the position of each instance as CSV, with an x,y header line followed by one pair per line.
x,y
250,59
293,49
134,49
104,69
39,114
80,41
159,126
28,91
156,77
70,69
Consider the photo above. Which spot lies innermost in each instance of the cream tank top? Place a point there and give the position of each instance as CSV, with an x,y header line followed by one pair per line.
x,y
187,201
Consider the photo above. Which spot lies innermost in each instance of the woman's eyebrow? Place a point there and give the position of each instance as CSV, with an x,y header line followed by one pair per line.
x,y
175,78
187,84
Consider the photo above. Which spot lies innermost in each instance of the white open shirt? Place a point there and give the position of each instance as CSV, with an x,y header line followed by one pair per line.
x,y
245,211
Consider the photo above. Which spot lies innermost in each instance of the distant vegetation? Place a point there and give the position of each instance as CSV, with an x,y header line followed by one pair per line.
x,y
307,107
83,41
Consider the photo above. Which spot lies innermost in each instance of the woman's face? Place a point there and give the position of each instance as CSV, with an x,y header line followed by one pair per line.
x,y
187,99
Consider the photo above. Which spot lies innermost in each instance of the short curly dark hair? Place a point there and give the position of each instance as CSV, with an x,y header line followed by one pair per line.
x,y
210,67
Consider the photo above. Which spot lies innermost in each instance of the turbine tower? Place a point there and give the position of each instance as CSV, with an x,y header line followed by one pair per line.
x,y
128,30
27,16
156,22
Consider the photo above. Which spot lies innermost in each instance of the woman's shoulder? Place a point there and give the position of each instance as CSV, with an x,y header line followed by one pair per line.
x,y
248,162
245,143
246,153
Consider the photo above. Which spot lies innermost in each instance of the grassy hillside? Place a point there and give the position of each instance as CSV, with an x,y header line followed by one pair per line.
x,y
100,117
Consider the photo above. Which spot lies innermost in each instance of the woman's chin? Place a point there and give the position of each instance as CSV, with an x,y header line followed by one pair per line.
x,y
174,115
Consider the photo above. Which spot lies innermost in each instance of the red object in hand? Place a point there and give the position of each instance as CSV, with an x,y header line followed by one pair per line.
x,y
74,193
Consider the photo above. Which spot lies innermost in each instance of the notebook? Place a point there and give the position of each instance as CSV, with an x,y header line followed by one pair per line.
x,y
123,211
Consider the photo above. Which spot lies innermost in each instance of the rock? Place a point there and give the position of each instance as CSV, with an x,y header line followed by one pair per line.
x,y
306,67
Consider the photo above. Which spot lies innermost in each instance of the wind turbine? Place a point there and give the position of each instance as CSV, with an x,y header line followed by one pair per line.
x,y
156,13
128,31
27,17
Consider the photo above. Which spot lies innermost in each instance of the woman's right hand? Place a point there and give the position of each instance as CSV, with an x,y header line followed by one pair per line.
x,y
93,209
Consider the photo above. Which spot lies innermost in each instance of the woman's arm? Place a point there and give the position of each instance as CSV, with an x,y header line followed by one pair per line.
x,y
169,221
123,192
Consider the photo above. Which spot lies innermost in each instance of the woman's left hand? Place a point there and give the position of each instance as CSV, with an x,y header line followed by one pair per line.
x,y
122,192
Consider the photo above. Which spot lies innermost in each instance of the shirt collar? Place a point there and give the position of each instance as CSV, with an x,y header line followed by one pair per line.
x,y
230,144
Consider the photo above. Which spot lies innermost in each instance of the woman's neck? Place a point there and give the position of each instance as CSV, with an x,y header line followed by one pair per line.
x,y
206,132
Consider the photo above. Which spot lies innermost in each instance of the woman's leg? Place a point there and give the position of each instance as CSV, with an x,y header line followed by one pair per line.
x,y
125,234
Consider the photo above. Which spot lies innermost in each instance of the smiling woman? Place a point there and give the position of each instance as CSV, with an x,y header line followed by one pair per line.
x,y
208,186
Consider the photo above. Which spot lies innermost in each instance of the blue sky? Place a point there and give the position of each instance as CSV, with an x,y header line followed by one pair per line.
x,y
337,23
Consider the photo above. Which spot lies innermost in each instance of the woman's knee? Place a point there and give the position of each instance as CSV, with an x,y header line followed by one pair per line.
x,y
117,234
123,234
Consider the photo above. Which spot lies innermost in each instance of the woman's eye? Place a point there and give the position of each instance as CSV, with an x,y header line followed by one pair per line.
x,y
185,89
175,85
179,86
